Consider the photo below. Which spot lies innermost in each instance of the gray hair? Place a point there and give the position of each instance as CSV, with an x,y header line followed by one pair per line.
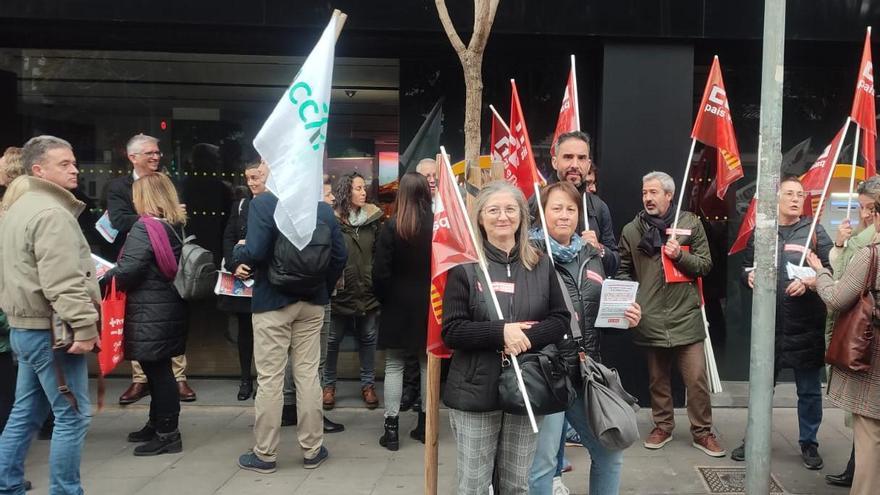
x,y
870,187
426,161
35,150
664,178
527,253
583,136
136,143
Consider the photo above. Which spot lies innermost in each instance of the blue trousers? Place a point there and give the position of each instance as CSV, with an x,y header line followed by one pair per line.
x,y
35,384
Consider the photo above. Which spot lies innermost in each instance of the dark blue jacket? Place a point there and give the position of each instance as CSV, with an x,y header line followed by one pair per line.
x,y
260,245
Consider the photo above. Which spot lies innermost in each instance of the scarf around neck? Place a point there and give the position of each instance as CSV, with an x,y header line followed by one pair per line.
x,y
655,236
161,246
357,219
560,253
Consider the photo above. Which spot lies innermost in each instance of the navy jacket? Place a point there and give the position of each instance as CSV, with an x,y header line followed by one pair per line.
x,y
260,245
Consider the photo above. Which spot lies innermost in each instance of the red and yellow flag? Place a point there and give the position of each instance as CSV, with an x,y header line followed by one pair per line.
x,y
714,127
863,112
525,172
451,245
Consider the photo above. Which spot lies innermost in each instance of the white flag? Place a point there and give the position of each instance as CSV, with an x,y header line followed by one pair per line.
x,y
292,142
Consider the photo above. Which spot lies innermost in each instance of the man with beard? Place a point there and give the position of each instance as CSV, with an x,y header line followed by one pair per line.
x,y
671,329
573,163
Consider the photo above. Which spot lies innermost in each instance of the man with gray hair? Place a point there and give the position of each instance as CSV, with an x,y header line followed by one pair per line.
x,y
671,330
47,275
428,168
144,155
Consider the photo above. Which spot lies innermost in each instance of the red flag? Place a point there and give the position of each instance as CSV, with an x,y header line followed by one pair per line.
x,y
451,245
501,147
745,229
815,178
526,171
568,114
714,127
863,107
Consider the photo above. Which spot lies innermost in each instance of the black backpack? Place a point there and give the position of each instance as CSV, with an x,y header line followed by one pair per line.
x,y
303,272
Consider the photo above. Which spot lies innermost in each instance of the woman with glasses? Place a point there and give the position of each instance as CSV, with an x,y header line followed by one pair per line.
x,y
535,315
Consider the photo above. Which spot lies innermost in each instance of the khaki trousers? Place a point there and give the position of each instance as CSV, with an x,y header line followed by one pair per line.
x,y
178,367
691,363
290,333
866,435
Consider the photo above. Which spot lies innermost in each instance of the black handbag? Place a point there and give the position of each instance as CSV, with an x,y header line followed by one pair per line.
x,y
546,376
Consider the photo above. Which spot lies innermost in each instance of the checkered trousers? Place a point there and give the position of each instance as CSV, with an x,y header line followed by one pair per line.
x,y
486,439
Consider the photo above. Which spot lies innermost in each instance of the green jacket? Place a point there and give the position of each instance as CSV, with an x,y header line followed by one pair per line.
x,y
354,295
4,333
838,266
671,314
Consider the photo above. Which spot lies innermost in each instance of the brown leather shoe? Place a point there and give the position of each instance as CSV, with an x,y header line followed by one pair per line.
x,y
369,394
709,445
329,397
134,393
186,394
657,438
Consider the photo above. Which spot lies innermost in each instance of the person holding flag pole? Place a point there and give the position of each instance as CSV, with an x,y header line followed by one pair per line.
x,y
510,274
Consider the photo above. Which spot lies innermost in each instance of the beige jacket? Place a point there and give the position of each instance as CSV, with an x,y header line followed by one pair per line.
x,y
45,261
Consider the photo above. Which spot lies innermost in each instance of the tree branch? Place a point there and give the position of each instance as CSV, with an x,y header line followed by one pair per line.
x,y
484,16
457,44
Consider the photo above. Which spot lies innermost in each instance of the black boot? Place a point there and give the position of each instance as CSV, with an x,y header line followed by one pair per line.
x,y
288,415
419,432
246,389
145,434
846,477
390,440
167,440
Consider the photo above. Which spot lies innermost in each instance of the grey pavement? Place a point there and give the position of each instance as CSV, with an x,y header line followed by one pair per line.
x,y
217,429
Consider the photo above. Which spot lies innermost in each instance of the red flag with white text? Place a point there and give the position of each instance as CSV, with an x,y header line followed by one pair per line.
x,y
568,113
714,127
451,245
526,171
815,178
863,112
500,141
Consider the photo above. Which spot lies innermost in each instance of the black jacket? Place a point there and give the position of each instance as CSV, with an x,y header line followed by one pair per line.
x,y
800,321
402,283
120,207
236,230
155,315
478,338
260,247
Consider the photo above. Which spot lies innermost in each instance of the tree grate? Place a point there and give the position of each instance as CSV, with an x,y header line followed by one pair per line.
x,y
730,480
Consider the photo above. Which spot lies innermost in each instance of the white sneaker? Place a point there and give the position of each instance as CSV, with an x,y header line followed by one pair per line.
x,y
559,488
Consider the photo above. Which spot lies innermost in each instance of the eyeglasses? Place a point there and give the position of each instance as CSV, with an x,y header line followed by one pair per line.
x,y
793,194
494,211
150,153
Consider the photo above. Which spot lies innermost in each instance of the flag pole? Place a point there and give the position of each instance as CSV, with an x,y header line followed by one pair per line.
x,y
503,123
341,21
543,222
687,172
577,119
852,175
825,189
432,423
485,270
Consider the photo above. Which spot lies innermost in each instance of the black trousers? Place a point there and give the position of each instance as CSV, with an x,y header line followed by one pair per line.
x,y
164,398
7,387
245,344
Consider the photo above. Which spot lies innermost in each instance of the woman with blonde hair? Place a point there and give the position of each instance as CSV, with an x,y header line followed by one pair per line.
x,y
155,314
11,166
535,315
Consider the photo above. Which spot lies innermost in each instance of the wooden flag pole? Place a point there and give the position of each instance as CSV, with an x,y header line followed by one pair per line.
x,y
498,312
825,189
432,423
852,175
687,172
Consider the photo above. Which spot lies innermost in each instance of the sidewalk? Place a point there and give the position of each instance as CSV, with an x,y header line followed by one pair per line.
x,y
217,429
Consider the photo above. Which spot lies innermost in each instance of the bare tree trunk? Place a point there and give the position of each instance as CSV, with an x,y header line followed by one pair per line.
x,y
471,57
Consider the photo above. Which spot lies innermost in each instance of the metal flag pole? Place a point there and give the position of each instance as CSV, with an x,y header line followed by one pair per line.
x,y
498,312
827,185
687,173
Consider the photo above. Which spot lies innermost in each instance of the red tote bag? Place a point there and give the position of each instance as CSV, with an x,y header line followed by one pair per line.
x,y
112,323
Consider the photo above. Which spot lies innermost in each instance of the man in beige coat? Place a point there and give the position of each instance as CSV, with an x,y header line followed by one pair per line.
x,y
46,271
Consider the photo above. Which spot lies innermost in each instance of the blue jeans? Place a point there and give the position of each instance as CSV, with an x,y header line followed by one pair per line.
x,y
809,404
36,383
366,329
605,464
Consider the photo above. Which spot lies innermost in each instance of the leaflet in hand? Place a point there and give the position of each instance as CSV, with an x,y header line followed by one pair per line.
x,y
105,228
799,272
102,266
229,285
617,296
